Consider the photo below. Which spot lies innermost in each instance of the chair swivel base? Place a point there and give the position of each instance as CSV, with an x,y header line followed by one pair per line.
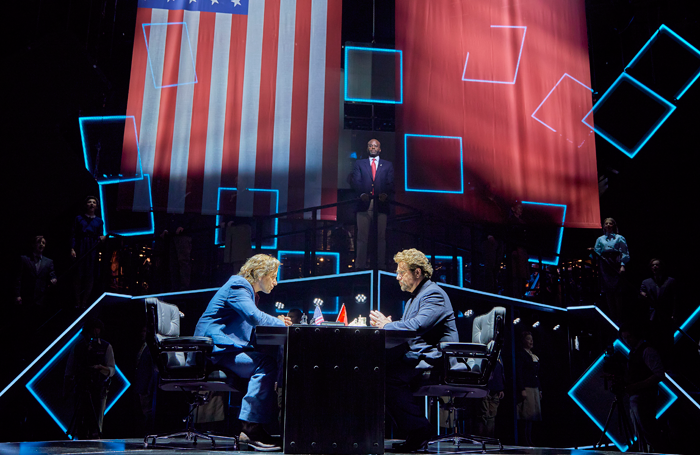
x,y
457,439
190,435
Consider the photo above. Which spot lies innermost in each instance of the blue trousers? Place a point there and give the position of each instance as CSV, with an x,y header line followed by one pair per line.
x,y
260,401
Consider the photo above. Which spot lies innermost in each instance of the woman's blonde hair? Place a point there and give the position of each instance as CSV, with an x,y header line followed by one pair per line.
x,y
259,266
414,259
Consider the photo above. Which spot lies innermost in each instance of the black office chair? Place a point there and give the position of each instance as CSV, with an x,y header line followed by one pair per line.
x,y
184,365
466,372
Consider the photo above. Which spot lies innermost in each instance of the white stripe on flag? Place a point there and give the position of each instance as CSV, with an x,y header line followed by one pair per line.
x,y
183,114
283,101
217,113
250,108
151,105
314,122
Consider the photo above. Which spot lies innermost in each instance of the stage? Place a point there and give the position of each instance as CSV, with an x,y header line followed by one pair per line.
x,y
129,446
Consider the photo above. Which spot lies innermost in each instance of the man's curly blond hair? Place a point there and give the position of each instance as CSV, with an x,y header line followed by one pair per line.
x,y
414,259
258,267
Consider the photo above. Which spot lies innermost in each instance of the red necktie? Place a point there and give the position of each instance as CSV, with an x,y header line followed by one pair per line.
x,y
374,171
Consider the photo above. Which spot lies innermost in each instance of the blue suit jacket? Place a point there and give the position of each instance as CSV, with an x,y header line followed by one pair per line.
x,y
383,183
231,317
431,315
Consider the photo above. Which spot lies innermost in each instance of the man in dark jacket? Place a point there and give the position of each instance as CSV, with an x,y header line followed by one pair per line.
x,y
429,312
373,180
34,275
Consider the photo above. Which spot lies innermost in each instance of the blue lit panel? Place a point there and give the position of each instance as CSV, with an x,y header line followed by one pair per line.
x,y
133,231
155,48
100,132
553,260
448,259
43,386
218,233
631,152
517,66
323,254
418,174
369,98
550,93
673,35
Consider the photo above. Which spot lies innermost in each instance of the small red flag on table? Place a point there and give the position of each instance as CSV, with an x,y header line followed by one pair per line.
x,y
343,316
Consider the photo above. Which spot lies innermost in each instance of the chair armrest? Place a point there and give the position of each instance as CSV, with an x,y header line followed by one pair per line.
x,y
464,349
186,344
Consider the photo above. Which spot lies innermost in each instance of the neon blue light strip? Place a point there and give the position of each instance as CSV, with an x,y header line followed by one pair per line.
x,y
83,120
561,231
688,322
186,33
58,338
522,44
682,390
461,164
571,393
371,49
582,307
219,231
503,297
672,399
133,232
624,149
673,35
170,294
30,384
590,307
607,318
550,92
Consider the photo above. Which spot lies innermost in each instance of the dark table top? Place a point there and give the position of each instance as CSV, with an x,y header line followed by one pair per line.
x,y
269,335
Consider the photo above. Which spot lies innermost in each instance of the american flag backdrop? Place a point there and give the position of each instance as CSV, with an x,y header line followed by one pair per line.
x,y
235,94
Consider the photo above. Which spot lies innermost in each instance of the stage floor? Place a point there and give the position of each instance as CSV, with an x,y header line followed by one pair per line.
x,y
181,447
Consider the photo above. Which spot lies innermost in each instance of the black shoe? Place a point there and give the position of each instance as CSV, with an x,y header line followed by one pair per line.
x,y
418,440
255,436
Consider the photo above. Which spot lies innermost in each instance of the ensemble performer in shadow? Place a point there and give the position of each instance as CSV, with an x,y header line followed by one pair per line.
x,y
87,233
429,312
229,320
612,249
34,276
88,374
373,181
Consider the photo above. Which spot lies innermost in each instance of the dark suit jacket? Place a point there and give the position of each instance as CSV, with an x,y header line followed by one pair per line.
x,y
383,183
31,285
431,315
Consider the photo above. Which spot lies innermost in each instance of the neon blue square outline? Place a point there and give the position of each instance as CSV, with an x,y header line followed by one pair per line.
x,y
561,232
515,77
36,377
625,351
643,88
369,100
130,232
460,265
148,52
83,120
674,36
217,231
461,163
550,92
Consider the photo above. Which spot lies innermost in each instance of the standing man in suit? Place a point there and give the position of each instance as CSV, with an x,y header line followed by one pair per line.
x,y
34,275
429,312
373,180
